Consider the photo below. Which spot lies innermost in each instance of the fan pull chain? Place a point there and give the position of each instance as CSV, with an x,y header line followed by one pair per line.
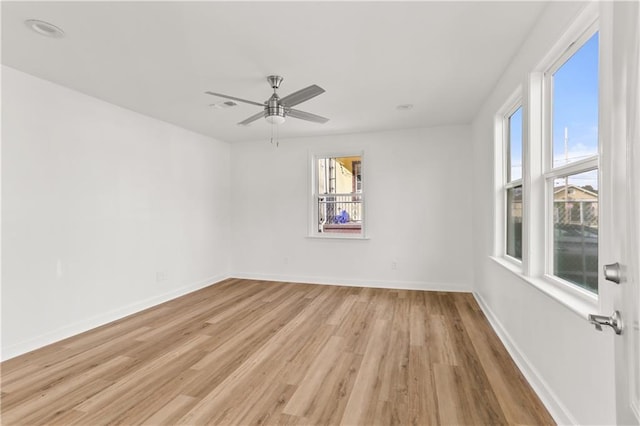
x,y
271,133
276,133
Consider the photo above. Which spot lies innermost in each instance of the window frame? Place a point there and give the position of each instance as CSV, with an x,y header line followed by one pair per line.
x,y
551,173
538,156
503,154
508,182
312,231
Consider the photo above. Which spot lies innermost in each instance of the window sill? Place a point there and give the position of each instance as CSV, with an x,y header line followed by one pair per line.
x,y
337,236
578,302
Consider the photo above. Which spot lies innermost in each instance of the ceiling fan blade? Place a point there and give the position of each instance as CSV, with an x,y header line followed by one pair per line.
x,y
296,113
301,95
252,119
234,98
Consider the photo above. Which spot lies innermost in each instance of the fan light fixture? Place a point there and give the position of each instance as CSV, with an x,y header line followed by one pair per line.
x,y
274,113
274,119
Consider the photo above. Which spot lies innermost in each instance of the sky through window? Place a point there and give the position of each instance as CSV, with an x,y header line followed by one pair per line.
x,y
575,108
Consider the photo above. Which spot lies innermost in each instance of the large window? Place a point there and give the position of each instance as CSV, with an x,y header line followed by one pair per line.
x,y
338,197
548,185
571,172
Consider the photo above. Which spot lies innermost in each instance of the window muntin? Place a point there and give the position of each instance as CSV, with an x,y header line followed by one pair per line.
x,y
572,168
338,195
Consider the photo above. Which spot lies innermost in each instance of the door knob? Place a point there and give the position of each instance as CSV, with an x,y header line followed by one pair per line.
x,y
614,321
612,272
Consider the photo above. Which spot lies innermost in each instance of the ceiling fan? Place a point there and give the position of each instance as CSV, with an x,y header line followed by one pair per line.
x,y
276,108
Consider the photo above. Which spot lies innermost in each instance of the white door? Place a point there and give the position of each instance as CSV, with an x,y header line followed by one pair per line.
x,y
621,176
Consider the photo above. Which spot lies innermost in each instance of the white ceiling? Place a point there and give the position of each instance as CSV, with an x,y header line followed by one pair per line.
x,y
158,58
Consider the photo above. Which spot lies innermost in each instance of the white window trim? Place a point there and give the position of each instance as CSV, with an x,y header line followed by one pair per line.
x,y
312,231
506,120
536,171
549,172
502,154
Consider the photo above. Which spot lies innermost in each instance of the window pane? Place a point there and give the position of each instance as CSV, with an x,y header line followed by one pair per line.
x,y
514,222
575,106
515,145
339,195
575,231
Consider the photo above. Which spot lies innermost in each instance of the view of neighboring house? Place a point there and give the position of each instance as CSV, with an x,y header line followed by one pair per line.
x,y
339,194
576,205
576,234
573,205
575,218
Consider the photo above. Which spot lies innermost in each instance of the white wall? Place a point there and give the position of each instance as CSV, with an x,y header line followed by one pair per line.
x,y
418,211
98,202
104,212
569,364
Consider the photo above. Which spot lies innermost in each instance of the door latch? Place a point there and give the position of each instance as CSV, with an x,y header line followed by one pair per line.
x,y
614,321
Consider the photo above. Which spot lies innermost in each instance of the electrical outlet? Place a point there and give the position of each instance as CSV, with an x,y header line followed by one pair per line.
x,y
161,276
394,265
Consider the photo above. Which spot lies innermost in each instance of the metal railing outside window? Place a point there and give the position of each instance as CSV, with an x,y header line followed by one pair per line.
x,y
336,211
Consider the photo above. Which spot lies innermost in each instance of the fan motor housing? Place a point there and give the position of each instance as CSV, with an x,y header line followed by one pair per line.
x,y
274,113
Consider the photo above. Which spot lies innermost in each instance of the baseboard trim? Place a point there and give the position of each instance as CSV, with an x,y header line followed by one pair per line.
x,y
399,285
104,318
558,411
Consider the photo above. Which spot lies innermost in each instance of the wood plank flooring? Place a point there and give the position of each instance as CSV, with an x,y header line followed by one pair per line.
x,y
247,352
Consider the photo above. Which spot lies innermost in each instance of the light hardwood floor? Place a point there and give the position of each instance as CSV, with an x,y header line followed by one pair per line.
x,y
249,352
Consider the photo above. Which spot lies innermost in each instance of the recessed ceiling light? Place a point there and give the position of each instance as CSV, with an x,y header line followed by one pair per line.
x,y
404,107
44,28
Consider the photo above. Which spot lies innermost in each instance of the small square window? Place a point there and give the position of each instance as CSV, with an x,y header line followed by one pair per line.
x,y
338,197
